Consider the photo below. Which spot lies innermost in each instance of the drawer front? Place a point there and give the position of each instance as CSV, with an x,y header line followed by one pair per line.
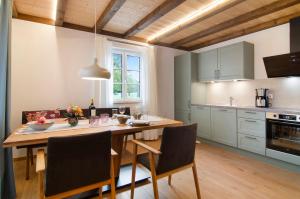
x,y
252,144
252,127
252,114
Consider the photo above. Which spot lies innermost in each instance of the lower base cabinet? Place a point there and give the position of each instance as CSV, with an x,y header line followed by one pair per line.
x,y
201,116
224,126
252,143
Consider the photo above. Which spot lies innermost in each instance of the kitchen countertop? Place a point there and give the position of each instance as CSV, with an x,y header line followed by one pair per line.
x,y
271,109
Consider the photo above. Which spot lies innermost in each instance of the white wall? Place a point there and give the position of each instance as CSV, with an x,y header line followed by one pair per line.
x,y
45,65
165,80
273,41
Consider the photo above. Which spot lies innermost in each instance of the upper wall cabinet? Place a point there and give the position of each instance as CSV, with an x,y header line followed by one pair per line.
x,y
235,61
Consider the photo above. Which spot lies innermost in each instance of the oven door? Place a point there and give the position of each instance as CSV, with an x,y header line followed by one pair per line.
x,y
283,136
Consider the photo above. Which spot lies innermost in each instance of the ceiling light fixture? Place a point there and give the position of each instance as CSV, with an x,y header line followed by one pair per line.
x,y
94,72
187,18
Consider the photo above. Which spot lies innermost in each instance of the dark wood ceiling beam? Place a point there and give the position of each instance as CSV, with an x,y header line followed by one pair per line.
x,y
216,11
157,13
60,12
35,19
256,28
110,10
14,10
265,10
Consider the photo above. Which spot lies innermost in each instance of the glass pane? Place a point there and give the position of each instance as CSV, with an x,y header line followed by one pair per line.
x,y
117,60
133,62
133,91
117,91
117,76
133,77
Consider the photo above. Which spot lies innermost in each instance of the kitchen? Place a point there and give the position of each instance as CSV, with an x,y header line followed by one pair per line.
x,y
235,102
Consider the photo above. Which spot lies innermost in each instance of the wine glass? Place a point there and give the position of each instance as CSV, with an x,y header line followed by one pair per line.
x,y
122,109
114,113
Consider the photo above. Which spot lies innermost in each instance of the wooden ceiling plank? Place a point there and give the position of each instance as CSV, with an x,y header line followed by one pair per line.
x,y
60,12
246,31
202,18
157,13
111,9
265,10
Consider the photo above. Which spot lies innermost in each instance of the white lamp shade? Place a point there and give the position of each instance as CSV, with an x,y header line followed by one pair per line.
x,y
94,72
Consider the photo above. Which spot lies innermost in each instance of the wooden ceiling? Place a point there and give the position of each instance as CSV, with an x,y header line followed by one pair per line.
x,y
139,19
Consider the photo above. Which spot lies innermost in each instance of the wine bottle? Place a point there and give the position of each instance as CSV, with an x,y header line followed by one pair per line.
x,y
92,108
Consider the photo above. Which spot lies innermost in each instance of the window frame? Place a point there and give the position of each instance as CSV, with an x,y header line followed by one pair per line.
x,y
124,53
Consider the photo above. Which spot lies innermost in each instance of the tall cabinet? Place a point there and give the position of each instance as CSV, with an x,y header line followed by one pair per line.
x,y
185,72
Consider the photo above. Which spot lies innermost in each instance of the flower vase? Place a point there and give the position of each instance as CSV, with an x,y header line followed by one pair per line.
x,y
73,121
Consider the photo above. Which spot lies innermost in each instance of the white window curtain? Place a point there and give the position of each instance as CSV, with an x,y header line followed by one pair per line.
x,y
104,89
150,89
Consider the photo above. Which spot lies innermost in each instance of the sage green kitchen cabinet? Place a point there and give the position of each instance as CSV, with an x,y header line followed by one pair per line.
x,y
184,116
224,126
230,62
208,65
201,116
185,72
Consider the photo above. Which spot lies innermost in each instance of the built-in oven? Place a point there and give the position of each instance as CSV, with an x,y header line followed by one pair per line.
x,y
283,132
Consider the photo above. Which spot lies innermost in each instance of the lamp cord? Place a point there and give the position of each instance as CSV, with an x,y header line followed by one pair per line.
x,y
95,28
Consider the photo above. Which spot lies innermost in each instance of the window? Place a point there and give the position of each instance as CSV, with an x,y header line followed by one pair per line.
x,y
126,76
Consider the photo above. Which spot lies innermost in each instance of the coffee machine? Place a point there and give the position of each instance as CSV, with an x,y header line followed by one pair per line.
x,y
262,99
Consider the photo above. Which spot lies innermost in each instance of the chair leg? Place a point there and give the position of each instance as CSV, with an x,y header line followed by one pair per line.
x,y
113,184
133,171
169,180
153,174
31,156
125,142
27,163
100,193
196,181
134,136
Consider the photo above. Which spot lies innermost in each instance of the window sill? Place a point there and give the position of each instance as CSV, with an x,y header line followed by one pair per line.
x,y
127,101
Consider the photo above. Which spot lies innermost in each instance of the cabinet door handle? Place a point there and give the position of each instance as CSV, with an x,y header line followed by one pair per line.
x,y
249,112
251,138
252,121
189,103
200,107
223,110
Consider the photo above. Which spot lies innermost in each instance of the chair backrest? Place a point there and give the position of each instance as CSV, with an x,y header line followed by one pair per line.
x,y
177,147
77,161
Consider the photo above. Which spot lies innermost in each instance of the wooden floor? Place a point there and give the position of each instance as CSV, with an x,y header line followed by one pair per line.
x,y
222,174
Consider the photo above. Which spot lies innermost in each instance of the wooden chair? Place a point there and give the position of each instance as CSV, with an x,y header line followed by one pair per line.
x,y
76,164
176,153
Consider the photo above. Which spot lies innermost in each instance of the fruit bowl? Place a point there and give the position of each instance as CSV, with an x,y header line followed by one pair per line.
x,y
40,126
122,118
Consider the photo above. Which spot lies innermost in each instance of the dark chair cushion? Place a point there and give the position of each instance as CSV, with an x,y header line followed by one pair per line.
x,y
177,148
77,161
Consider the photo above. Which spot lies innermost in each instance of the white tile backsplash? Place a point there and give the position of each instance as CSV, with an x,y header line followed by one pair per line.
x,y
286,92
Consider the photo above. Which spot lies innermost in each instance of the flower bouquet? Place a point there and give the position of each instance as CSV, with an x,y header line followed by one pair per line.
x,y
73,114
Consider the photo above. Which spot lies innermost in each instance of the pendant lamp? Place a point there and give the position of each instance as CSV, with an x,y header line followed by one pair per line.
x,y
94,72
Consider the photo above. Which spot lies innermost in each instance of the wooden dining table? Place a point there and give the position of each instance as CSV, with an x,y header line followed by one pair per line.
x,y
16,139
